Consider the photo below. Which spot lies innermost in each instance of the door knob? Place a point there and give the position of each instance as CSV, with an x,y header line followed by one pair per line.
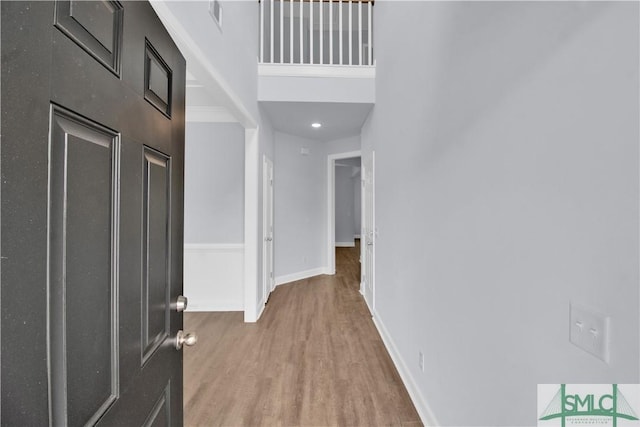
x,y
187,339
370,243
181,303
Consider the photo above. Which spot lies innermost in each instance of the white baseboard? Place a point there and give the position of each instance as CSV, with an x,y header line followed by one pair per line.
x,y
356,236
281,280
214,276
261,308
425,412
345,244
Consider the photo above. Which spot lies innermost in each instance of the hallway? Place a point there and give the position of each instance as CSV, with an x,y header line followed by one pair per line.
x,y
314,358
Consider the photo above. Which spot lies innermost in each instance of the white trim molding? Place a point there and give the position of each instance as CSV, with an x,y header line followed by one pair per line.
x,y
423,408
306,70
213,276
251,220
301,275
345,244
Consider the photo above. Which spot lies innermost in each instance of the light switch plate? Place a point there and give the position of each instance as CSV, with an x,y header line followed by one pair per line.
x,y
589,330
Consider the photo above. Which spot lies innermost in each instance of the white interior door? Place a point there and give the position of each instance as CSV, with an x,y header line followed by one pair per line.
x,y
268,282
368,230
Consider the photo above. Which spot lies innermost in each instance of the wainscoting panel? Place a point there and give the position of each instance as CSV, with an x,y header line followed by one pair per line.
x,y
214,277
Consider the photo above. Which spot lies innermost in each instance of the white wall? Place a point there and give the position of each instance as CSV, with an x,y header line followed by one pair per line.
x,y
299,207
506,187
233,51
214,183
225,62
342,145
344,206
214,212
300,237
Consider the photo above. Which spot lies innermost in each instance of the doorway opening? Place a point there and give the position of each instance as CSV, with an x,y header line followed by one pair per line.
x,y
332,160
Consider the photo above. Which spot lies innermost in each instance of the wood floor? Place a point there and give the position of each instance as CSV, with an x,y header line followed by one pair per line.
x,y
313,359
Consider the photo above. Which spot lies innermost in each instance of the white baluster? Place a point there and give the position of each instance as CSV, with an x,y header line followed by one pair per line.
x,y
360,32
271,20
369,31
321,31
350,32
281,3
301,31
340,29
262,31
310,31
331,32
290,31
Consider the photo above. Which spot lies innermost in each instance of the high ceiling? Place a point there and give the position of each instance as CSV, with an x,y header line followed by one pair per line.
x,y
339,120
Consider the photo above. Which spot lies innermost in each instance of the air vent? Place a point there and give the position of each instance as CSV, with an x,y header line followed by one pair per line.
x,y
215,10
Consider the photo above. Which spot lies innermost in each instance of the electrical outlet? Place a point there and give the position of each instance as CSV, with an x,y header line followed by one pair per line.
x,y
421,361
589,330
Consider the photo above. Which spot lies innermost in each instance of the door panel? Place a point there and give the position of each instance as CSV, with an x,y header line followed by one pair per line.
x,y
161,413
155,255
157,80
95,26
82,282
92,183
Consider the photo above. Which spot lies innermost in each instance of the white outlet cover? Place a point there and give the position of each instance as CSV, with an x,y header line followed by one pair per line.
x,y
589,330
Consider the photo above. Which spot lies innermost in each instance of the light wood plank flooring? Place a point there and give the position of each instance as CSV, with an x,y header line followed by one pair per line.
x,y
313,359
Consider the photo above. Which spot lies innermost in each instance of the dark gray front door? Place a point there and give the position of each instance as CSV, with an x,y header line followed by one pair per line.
x,y
92,155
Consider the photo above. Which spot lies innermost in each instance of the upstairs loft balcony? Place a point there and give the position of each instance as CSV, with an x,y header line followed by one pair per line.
x,y
331,32
316,51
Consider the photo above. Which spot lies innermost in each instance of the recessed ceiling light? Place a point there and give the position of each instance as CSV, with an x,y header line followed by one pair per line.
x,y
315,125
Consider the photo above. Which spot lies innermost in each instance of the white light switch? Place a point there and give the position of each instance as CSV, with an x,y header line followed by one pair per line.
x,y
590,331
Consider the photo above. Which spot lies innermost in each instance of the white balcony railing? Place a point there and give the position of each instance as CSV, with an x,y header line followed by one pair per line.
x,y
333,32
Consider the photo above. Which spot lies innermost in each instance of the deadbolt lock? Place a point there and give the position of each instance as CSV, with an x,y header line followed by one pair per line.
x,y
181,303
